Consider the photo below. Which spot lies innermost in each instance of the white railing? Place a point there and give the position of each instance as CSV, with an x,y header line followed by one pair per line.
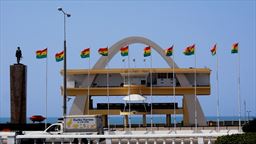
x,y
118,137
128,138
7,137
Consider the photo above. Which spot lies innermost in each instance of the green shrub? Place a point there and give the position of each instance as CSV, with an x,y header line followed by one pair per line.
x,y
250,127
246,138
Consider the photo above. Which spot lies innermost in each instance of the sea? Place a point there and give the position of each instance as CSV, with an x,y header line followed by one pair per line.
x,y
118,120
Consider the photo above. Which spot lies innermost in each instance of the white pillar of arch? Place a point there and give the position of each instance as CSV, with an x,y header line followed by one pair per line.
x,y
188,102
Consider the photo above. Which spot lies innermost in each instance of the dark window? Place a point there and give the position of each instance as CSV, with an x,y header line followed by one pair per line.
x,y
162,75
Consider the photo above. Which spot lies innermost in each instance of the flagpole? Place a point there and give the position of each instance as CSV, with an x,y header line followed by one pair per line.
x,y
244,118
123,60
151,106
239,96
145,65
88,84
174,90
217,88
195,100
129,90
124,66
108,92
46,89
255,79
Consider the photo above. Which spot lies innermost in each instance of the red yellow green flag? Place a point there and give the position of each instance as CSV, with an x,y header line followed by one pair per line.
x,y
168,51
59,56
124,51
234,48
147,51
214,50
103,51
190,50
85,53
41,53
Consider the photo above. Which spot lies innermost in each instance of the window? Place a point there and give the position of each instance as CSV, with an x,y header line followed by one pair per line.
x,y
162,75
54,128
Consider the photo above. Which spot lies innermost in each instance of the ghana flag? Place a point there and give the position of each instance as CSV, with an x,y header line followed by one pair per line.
x,y
190,50
59,56
147,51
124,51
85,53
234,48
214,50
103,51
41,53
168,51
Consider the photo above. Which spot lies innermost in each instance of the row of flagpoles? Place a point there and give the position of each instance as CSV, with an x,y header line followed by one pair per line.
x,y
124,51
85,53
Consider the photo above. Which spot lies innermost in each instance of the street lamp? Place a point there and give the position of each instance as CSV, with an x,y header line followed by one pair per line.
x,y
248,115
65,64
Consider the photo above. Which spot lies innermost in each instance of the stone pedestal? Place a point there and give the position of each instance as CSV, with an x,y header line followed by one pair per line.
x,y
18,83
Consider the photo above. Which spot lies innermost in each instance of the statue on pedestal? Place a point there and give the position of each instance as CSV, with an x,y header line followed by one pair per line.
x,y
18,55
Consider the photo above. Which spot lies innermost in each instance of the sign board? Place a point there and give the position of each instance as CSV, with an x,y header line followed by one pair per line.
x,y
82,123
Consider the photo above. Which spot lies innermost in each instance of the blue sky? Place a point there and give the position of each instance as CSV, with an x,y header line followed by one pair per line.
x,y
34,25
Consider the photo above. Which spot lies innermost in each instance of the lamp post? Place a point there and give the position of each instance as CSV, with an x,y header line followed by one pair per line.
x,y
64,65
248,115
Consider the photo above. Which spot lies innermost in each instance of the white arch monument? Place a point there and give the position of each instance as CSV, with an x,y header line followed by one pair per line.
x,y
79,107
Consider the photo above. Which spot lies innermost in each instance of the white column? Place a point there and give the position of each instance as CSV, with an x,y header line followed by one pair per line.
x,y
146,141
191,141
164,142
97,141
182,141
155,141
